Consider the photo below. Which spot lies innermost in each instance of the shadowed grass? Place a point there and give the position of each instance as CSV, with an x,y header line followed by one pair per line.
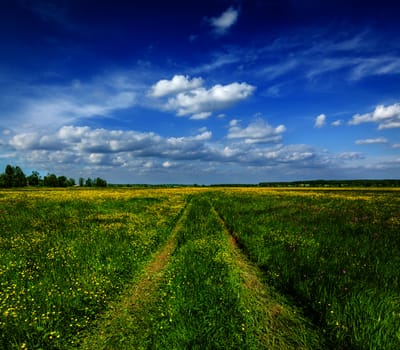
x,y
335,253
210,298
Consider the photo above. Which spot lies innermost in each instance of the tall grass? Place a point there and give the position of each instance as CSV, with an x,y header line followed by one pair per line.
x,y
65,254
336,253
202,302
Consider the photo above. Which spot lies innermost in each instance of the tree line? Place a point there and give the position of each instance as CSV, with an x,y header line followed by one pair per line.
x,y
15,177
335,183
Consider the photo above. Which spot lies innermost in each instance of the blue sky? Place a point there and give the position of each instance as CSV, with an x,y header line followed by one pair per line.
x,y
201,91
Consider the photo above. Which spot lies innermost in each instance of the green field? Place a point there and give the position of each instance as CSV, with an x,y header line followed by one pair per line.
x,y
200,268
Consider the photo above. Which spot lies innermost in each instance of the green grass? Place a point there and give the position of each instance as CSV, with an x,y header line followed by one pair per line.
x,y
202,301
64,255
309,269
335,254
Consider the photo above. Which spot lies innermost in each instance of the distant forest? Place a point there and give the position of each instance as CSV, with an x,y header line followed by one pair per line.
x,y
335,183
15,177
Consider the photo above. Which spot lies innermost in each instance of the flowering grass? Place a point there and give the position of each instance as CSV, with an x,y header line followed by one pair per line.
x,y
65,254
336,253
333,255
204,300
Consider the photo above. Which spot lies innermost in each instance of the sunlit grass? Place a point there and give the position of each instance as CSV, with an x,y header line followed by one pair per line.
x,y
65,254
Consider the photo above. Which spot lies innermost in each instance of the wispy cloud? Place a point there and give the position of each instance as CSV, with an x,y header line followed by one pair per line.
x,y
378,140
356,56
51,106
337,122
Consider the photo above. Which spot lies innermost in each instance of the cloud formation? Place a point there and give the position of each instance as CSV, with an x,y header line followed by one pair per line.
x,y
177,84
225,21
320,121
371,141
85,145
257,131
54,105
192,99
386,117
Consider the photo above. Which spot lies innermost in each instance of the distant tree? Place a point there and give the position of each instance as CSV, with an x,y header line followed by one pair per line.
x,y
19,177
15,177
9,176
89,182
99,182
2,180
71,182
33,179
50,180
62,181
81,181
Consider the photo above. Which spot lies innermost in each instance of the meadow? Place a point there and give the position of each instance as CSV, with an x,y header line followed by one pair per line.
x,y
220,268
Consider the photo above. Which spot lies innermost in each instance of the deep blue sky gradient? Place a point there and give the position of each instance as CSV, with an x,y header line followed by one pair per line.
x,y
78,84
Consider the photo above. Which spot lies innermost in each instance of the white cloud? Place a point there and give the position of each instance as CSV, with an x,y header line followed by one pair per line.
x,y
371,141
25,141
225,21
201,102
337,122
200,116
274,71
257,131
379,65
350,155
145,156
386,117
320,121
177,84
86,141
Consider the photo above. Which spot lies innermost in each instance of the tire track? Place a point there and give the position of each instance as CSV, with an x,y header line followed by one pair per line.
x,y
273,316
128,310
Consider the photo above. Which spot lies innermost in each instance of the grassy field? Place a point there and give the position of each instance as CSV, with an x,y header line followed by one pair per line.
x,y
336,253
250,268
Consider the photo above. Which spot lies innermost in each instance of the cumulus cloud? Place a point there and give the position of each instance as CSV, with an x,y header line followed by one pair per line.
x,y
320,121
372,141
133,155
199,103
386,117
257,131
177,84
225,21
74,146
84,140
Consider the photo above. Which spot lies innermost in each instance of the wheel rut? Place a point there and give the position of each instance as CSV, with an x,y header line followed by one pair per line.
x,y
251,274
270,310
128,309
